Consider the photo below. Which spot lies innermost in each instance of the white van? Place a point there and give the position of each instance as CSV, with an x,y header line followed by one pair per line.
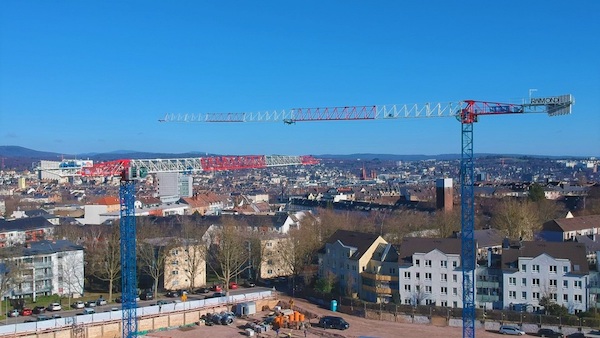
x,y
511,330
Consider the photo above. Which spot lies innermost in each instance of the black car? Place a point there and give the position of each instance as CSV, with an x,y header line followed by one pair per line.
x,y
201,291
549,333
331,322
576,335
146,296
172,294
38,309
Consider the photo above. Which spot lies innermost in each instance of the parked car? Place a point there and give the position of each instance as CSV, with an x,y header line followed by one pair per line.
x,y
202,291
146,296
40,318
26,311
216,288
549,333
331,322
90,303
54,307
162,302
88,311
39,309
233,286
78,305
101,301
120,300
13,313
217,295
172,294
576,335
249,284
511,330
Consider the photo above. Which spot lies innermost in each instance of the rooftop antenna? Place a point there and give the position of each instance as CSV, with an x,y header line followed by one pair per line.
x,y
530,92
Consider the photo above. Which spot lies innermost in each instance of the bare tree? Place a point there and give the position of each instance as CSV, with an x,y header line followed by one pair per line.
x,y
194,252
105,258
517,219
10,271
447,223
229,254
71,270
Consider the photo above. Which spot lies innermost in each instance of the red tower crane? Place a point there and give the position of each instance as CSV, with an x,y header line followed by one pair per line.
x,y
467,112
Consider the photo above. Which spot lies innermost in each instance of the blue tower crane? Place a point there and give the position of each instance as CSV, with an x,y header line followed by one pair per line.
x,y
466,112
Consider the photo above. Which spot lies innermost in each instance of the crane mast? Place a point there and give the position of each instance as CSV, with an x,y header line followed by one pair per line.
x,y
467,112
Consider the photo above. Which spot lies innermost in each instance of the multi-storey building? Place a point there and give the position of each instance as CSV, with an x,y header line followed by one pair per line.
x,y
185,265
380,278
25,230
346,256
273,263
47,268
430,272
534,272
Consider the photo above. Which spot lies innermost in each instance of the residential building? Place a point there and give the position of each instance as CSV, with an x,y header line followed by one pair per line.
x,y
533,271
274,264
25,230
346,255
565,229
185,265
380,278
430,272
48,268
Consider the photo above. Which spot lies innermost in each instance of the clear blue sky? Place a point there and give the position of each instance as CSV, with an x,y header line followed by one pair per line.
x,y
95,76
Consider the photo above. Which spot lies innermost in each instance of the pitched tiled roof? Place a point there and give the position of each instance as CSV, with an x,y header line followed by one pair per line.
x,y
412,245
575,252
359,240
488,238
572,224
107,200
24,224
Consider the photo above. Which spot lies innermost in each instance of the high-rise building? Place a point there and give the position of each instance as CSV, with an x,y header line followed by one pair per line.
x,y
444,194
174,184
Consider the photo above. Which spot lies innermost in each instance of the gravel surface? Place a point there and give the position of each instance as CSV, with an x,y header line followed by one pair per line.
x,y
359,327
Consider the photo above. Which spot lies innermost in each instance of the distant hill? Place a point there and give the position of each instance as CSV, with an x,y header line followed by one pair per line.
x,y
17,157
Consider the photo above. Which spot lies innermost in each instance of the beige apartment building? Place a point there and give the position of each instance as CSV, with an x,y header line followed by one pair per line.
x,y
185,266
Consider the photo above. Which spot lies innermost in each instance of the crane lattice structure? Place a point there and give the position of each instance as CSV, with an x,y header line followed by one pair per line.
x,y
467,112
131,171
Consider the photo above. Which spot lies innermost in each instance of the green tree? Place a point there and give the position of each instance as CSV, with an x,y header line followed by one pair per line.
x,y
536,193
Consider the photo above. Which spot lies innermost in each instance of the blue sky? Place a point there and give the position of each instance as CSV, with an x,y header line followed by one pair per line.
x,y
95,76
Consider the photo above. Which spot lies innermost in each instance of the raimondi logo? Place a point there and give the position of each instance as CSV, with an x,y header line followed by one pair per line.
x,y
548,100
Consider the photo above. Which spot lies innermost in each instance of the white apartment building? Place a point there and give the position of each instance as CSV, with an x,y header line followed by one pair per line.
x,y
552,270
48,268
185,265
430,272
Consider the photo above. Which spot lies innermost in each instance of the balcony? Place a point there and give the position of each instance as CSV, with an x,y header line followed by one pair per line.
x,y
377,290
487,298
486,284
378,277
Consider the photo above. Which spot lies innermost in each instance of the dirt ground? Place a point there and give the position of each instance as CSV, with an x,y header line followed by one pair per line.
x,y
359,327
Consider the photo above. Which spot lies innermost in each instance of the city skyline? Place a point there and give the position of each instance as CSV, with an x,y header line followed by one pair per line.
x,y
97,76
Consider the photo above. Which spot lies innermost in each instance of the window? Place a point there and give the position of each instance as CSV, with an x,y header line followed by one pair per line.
x,y
417,275
565,269
553,282
392,271
406,274
524,267
454,264
577,298
455,292
427,289
175,263
535,295
524,281
417,262
553,296
577,284
454,278
565,284
174,272
444,277
565,297
407,287
535,282
536,268
552,268
512,281
428,263
175,252
444,264
512,294
428,276
443,290
524,295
